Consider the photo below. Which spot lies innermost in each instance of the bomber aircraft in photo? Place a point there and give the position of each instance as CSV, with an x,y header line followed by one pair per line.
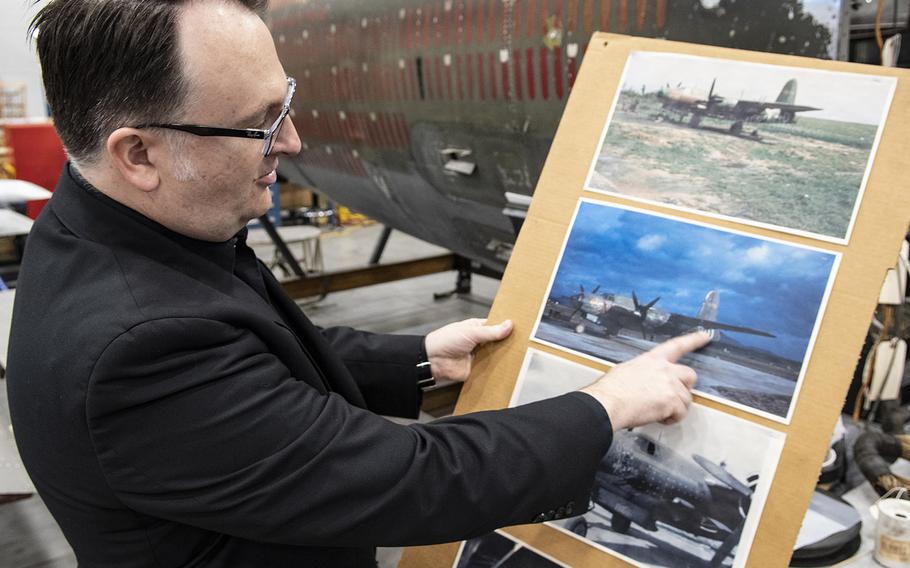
x,y
645,482
685,107
608,314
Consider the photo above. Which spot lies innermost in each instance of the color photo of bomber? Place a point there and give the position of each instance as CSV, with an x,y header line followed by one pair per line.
x,y
628,280
780,147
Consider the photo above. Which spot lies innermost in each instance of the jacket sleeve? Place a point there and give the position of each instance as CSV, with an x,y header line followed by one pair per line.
x,y
195,422
384,367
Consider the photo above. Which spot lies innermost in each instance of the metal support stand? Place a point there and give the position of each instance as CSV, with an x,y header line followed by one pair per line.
x,y
380,245
282,246
462,279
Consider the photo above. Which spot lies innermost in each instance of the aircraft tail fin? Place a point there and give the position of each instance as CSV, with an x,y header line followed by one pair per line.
x,y
788,93
710,306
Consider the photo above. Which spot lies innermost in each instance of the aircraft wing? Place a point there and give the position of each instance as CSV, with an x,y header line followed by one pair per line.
x,y
686,322
756,107
791,108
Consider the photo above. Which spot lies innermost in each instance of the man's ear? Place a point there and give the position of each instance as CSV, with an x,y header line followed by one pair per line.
x,y
129,149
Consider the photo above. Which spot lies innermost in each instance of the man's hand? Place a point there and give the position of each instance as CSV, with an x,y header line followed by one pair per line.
x,y
651,387
450,349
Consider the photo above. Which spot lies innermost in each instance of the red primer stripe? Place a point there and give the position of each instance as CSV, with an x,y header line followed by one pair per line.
x,y
623,15
402,29
557,72
412,79
572,63
438,76
437,24
606,6
573,15
449,91
428,79
661,17
516,66
480,12
427,19
492,21
458,80
481,77
469,21
469,61
544,14
403,128
492,61
448,24
458,22
641,13
544,74
506,90
529,71
532,6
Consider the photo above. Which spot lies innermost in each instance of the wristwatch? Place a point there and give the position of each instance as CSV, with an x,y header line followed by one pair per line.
x,y
425,379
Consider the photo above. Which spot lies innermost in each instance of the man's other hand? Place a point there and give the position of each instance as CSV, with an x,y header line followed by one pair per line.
x,y
651,387
450,349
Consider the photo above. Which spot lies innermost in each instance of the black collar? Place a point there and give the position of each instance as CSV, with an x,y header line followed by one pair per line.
x,y
221,253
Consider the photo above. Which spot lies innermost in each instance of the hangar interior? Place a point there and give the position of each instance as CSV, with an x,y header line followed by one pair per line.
x,y
424,127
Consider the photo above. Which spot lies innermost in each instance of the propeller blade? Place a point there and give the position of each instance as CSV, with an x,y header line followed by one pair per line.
x,y
650,304
596,288
635,300
711,92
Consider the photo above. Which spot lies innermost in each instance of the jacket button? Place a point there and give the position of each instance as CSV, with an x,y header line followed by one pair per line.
x,y
540,518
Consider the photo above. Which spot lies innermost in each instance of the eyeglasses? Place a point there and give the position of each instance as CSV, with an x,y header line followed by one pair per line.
x,y
269,135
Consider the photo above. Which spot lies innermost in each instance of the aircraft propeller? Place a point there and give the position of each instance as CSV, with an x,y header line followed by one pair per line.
x,y
642,311
580,298
719,473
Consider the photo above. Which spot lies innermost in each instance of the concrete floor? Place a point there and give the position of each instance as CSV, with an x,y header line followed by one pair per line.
x,y
29,537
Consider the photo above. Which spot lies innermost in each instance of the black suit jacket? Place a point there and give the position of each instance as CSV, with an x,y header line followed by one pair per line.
x,y
169,416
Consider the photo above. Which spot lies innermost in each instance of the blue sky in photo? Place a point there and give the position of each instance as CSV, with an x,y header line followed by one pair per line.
x,y
765,285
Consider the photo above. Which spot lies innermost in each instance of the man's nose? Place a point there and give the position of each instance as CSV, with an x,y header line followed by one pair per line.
x,y
288,142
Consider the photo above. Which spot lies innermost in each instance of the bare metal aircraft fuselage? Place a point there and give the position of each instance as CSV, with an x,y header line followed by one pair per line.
x,y
424,114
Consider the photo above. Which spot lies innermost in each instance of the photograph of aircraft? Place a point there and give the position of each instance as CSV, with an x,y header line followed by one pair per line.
x,y
608,314
628,279
685,495
500,550
785,148
681,106
391,92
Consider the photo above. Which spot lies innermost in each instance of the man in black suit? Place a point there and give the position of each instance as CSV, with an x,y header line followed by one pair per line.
x,y
173,406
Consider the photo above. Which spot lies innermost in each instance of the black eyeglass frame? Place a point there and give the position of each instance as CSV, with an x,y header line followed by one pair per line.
x,y
269,135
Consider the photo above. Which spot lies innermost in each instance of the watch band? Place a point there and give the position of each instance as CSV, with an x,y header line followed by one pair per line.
x,y
423,369
425,377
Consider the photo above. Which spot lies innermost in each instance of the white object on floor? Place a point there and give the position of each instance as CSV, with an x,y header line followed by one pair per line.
x,y
19,191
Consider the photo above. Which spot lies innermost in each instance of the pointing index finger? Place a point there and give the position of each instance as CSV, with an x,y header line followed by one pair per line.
x,y
675,348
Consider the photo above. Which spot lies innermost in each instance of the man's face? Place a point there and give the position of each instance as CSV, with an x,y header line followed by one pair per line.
x,y
211,186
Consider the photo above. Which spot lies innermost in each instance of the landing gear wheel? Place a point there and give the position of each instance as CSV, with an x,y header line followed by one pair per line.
x,y
620,524
578,526
580,328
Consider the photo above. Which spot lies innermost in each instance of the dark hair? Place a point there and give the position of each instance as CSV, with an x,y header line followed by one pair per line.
x,y
109,63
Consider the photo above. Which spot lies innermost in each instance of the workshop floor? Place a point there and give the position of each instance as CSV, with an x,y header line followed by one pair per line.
x,y
29,537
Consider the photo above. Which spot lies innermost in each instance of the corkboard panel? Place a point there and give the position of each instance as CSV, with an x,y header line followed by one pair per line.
x,y
879,228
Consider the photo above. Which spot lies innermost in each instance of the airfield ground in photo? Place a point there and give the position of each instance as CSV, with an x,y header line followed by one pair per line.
x,y
716,136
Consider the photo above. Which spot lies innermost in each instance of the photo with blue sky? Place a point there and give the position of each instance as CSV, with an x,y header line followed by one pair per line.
x,y
763,284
